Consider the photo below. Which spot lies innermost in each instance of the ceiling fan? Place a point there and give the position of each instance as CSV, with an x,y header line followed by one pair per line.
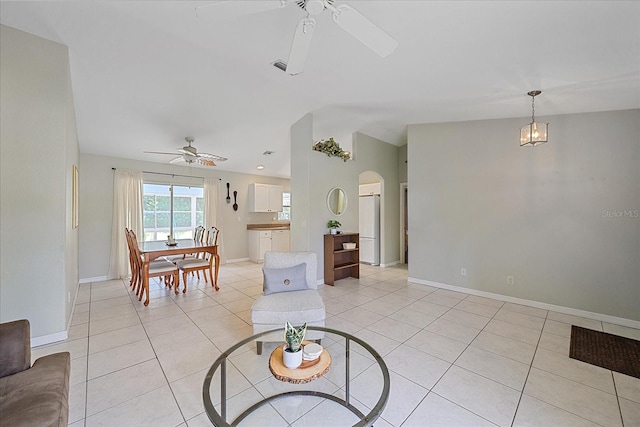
x,y
189,154
345,16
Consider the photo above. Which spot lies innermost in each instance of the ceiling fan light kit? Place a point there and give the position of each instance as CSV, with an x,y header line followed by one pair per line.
x,y
534,133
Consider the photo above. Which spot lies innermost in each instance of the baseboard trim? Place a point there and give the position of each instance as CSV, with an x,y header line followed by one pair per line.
x,y
531,303
49,339
93,279
390,264
73,307
231,261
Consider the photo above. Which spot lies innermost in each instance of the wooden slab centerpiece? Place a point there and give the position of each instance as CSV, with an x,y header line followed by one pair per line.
x,y
307,372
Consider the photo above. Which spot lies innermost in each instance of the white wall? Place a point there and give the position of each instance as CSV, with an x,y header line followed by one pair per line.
x,y
96,205
479,201
314,174
38,147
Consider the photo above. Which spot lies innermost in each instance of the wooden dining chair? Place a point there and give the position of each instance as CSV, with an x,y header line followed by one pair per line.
x,y
198,236
197,264
134,263
157,268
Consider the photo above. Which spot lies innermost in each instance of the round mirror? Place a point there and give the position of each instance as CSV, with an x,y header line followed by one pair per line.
x,y
337,201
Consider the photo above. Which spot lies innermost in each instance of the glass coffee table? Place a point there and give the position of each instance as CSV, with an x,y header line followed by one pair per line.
x,y
240,388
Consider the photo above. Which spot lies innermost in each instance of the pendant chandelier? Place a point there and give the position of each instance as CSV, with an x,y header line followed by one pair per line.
x,y
534,133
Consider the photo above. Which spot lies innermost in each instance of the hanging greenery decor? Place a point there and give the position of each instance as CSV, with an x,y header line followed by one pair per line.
x,y
331,148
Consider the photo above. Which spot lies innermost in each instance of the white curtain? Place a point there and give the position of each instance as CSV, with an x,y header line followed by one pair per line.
x,y
127,212
212,210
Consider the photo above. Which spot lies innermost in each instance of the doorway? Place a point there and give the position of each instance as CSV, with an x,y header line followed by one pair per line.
x,y
371,218
404,222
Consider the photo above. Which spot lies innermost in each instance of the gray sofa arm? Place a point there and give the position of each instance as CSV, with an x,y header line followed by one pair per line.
x,y
15,347
38,396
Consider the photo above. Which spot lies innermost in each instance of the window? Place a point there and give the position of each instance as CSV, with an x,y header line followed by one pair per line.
x,y
171,210
285,215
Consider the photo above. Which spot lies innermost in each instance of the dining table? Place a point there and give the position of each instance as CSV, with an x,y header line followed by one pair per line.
x,y
152,250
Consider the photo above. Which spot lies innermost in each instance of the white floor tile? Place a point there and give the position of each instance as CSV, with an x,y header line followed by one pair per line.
x,y
116,338
417,366
584,373
437,345
630,413
516,332
627,387
146,365
77,401
462,333
595,405
188,394
184,361
117,358
118,387
157,408
534,413
436,411
495,367
477,308
465,318
482,396
507,347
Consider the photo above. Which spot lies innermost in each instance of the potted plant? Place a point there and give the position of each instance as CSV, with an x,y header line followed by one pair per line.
x,y
292,352
333,226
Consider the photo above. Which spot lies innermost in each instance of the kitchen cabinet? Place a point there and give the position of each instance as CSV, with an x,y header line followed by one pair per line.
x,y
261,241
280,240
265,198
338,261
369,189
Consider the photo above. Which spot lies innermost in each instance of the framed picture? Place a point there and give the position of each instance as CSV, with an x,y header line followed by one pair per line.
x,y
74,213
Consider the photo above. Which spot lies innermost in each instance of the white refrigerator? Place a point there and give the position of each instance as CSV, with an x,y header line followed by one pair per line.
x,y
370,229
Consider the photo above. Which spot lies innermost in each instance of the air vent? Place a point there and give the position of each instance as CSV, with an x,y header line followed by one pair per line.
x,y
280,64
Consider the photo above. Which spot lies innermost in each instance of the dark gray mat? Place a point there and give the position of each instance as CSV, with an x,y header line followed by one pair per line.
x,y
608,351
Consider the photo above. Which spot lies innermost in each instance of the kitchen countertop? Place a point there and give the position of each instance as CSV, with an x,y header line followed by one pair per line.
x,y
268,227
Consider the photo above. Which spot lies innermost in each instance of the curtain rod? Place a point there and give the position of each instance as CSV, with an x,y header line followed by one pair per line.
x,y
173,174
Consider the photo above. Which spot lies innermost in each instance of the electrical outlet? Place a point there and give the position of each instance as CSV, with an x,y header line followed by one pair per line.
x,y
510,280
463,271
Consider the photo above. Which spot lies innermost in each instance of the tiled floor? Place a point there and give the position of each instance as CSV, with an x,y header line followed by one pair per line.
x,y
455,359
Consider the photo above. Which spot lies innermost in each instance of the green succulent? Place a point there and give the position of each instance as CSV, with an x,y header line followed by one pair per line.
x,y
294,336
331,148
332,223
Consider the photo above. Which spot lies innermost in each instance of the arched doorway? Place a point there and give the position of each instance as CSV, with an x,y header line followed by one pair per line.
x,y
371,218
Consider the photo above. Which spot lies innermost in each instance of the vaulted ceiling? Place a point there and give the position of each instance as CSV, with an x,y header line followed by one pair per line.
x,y
147,74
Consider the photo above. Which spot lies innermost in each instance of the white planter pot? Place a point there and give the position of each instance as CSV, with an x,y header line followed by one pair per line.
x,y
334,231
291,360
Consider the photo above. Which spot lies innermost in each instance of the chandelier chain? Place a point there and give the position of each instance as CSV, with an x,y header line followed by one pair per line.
x,y
533,109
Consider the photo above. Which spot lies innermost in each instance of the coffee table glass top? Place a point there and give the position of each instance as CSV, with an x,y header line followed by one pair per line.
x,y
239,388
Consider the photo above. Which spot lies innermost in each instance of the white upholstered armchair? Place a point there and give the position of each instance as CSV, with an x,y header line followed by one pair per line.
x,y
295,306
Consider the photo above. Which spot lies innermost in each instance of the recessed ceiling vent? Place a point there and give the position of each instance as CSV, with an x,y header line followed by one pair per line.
x,y
280,65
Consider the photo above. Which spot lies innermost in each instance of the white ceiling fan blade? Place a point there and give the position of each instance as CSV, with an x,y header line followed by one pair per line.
x,y
300,46
372,36
177,160
158,152
213,157
225,9
206,162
